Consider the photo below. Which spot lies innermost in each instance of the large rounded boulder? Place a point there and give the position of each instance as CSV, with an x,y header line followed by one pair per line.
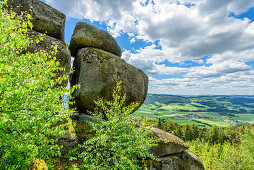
x,y
86,35
97,72
45,19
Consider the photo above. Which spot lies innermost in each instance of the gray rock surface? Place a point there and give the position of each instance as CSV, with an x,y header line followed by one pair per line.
x,y
190,161
167,143
181,161
86,35
45,18
97,72
63,53
68,141
165,163
87,118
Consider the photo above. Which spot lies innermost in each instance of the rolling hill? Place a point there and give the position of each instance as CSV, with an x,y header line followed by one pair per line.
x,y
203,111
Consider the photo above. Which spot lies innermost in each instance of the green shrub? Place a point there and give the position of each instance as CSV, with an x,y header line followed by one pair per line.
x,y
121,142
32,113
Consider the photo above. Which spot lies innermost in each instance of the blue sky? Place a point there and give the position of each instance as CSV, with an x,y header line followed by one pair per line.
x,y
186,47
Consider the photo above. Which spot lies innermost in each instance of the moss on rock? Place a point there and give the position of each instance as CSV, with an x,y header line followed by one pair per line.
x,y
97,72
167,143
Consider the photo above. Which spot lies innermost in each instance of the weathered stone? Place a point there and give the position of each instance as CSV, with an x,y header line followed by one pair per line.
x,y
69,141
165,163
87,118
181,161
45,18
190,161
97,72
79,131
167,143
86,35
63,54
38,164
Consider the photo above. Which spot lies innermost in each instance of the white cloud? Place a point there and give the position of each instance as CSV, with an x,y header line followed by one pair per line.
x,y
149,59
116,14
218,69
187,30
233,83
132,40
185,33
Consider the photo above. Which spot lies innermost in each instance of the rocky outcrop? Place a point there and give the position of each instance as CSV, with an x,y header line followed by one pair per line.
x,y
167,144
171,153
97,72
45,19
97,68
50,21
86,35
63,54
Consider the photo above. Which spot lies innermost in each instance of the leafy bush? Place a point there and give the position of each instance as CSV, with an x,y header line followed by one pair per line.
x,y
32,114
120,141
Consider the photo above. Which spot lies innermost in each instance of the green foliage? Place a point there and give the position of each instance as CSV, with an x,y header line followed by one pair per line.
x,y
32,114
219,148
214,134
247,148
120,141
227,155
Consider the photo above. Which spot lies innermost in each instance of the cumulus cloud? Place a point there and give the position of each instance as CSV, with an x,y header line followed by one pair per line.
x,y
218,69
185,31
132,40
233,83
149,59
116,14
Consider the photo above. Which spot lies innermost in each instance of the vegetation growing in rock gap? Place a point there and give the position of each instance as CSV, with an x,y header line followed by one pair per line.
x,y
121,141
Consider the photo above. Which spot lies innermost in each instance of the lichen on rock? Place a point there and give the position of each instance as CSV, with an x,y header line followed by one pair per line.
x,y
97,71
167,143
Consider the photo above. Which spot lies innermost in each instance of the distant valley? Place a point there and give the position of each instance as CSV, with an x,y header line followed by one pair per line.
x,y
203,111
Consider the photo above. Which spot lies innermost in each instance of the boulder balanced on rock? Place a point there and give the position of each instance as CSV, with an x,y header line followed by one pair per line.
x,y
86,35
97,72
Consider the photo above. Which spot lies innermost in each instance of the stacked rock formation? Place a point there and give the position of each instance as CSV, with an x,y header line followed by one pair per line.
x,y
98,66
49,21
172,154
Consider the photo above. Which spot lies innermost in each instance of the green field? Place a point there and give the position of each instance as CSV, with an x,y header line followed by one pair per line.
x,y
199,110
